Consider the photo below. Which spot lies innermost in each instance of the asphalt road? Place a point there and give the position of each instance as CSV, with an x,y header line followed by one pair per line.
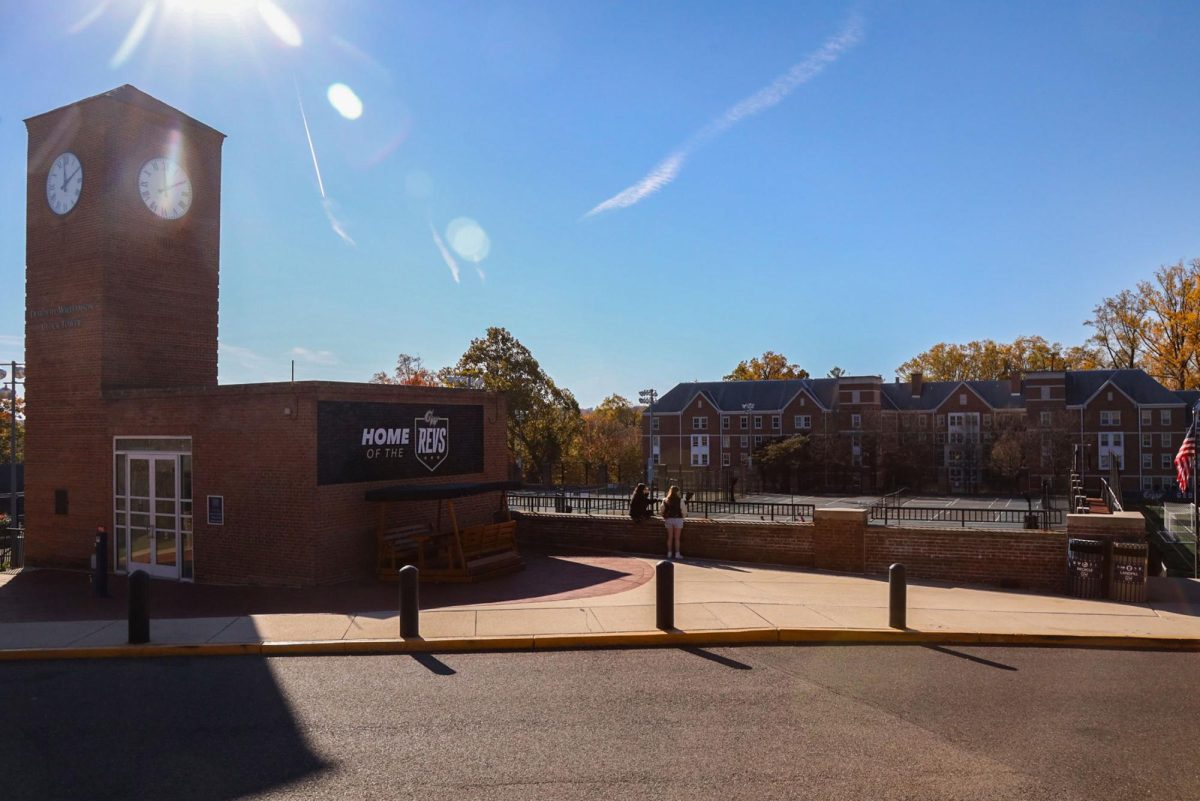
x,y
848,722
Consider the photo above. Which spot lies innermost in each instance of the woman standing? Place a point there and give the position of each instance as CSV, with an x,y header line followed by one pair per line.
x,y
672,514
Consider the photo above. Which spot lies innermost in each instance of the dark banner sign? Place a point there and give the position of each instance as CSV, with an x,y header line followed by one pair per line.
x,y
359,442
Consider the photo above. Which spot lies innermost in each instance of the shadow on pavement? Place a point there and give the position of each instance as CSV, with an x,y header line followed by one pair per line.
x,y
148,728
44,595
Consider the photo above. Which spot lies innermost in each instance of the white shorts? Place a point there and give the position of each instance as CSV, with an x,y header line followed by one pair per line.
x,y
674,522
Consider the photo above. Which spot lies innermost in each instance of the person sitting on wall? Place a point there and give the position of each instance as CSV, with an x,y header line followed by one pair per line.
x,y
639,503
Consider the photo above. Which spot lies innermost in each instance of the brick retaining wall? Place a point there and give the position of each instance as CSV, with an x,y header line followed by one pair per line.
x,y
838,539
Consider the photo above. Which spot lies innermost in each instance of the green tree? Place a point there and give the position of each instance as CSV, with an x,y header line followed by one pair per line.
x,y
543,419
835,372
410,371
770,365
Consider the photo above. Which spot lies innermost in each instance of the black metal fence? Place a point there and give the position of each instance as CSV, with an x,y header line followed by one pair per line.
x,y
12,548
609,505
888,513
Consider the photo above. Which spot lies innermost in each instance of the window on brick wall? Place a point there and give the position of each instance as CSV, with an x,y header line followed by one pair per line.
x,y
700,423
776,423
803,421
1147,461
941,438
1167,462
654,423
1165,440
725,423
962,399
1110,418
745,442
941,420
1044,419
757,440
724,460
856,421
1164,417
1146,417
758,422
1146,440
725,441
745,422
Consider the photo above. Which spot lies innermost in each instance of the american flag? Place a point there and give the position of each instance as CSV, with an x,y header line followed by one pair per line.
x,y
1183,459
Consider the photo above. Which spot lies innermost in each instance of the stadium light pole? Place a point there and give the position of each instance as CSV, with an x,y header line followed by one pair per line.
x,y
648,396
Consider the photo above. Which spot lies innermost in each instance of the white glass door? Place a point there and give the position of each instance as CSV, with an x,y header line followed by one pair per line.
x,y
152,531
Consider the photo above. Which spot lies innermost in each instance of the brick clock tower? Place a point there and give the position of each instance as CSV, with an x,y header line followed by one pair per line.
x,y
121,268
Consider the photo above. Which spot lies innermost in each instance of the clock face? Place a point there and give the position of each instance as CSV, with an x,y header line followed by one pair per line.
x,y
165,188
64,183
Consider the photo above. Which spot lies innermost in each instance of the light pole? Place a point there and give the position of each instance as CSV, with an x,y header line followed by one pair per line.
x,y
748,408
648,396
17,376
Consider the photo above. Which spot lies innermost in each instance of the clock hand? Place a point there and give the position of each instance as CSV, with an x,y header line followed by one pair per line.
x,y
71,177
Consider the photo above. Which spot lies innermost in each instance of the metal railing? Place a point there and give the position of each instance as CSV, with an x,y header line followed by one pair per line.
x,y
12,548
608,505
1111,499
935,514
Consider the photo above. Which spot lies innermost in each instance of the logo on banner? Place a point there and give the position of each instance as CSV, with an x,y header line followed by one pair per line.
x,y
433,439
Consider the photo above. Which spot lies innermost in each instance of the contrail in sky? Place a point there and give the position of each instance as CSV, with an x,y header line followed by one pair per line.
x,y
446,254
770,95
326,203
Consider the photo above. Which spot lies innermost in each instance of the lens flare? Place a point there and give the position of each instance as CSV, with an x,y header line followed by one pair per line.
x,y
344,101
468,239
280,24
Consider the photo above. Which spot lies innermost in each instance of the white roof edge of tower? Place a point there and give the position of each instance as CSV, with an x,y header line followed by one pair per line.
x,y
122,94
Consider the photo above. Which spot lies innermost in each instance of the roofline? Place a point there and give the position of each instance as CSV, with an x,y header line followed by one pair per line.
x,y
111,95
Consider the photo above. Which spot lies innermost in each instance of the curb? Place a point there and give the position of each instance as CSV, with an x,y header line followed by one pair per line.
x,y
643,639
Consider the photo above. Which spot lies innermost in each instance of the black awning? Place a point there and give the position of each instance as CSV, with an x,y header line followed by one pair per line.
x,y
437,492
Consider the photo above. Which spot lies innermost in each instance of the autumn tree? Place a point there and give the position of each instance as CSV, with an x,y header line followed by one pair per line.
x,y
543,418
409,371
835,372
986,359
1121,330
6,430
610,440
1007,457
1171,303
770,365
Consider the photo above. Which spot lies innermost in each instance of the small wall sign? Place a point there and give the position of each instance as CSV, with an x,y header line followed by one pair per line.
x,y
216,510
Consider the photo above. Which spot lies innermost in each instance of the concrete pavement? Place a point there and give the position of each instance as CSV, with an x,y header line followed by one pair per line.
x,y
715,603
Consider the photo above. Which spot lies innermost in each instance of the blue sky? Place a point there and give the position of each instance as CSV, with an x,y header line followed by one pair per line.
x,y
851,183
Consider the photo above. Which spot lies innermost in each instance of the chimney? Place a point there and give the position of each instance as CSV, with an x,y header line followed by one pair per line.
x,y
916,385
1014,383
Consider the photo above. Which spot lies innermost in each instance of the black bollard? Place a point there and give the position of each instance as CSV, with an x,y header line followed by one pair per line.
x,y
664,592
409,612
100,575
139,607
897,597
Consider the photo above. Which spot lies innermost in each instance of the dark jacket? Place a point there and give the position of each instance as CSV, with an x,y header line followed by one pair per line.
x,y
639,505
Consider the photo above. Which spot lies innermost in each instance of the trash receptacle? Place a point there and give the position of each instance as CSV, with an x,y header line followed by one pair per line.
x,y
1085,568
1129,571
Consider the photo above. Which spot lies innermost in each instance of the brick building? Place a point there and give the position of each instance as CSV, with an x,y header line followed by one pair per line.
x,y
869,434
126,425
